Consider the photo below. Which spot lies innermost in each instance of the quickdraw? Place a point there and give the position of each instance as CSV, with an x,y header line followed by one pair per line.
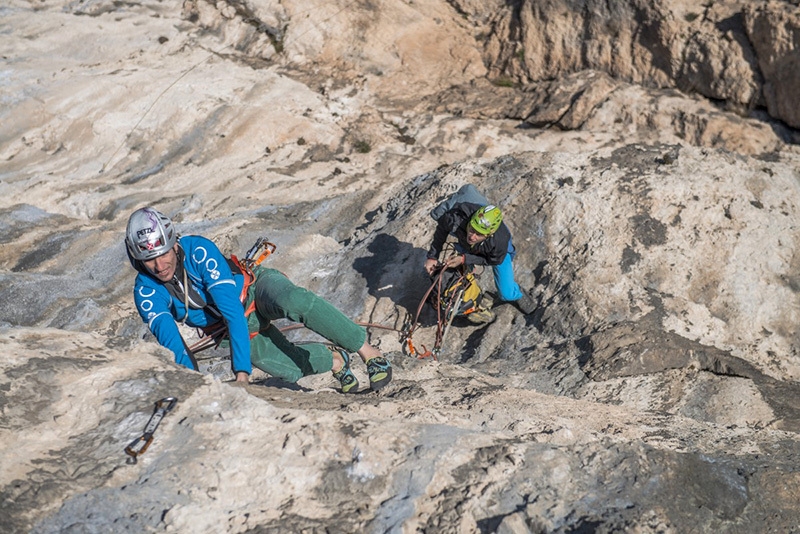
x,y
140,444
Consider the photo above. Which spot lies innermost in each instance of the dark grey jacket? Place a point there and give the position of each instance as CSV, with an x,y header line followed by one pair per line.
x,y
491,251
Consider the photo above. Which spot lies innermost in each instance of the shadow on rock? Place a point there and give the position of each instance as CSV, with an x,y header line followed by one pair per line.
x,y
277,383
394,271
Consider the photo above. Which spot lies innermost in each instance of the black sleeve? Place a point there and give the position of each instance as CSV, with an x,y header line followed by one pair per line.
x,y
497,248
440,235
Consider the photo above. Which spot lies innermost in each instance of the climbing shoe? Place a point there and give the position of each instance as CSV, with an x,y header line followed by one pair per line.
x,y
481,316
380,372
345,376
526,304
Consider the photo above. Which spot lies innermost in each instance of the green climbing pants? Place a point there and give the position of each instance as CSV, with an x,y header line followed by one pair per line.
x,y
276,297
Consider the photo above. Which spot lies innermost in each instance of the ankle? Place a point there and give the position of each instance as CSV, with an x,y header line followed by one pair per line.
x,y
338,362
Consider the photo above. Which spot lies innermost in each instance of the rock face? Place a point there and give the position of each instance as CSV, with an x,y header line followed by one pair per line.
x,y
774,30
652,201
743,54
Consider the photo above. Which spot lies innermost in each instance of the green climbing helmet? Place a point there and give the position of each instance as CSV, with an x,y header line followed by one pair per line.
x,y
486,220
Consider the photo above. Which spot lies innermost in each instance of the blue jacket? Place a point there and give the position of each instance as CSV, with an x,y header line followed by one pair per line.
x,y
210,276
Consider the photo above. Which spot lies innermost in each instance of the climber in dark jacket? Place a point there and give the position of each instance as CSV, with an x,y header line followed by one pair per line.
x,y
483,239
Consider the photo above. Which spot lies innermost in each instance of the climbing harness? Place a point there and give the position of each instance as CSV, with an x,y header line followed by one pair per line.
x,y
457,294
253,258
455,281
212,335
140,444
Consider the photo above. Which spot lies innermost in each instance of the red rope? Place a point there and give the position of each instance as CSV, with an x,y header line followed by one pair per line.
x,y
211,336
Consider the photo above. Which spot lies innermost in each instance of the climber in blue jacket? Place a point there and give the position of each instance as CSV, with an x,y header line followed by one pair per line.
x,y
188,279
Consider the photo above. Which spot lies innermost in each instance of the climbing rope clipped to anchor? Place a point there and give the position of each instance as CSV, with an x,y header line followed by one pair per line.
x,y
456,293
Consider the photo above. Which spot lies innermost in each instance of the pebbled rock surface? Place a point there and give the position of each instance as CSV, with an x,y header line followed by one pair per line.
x,y
641,152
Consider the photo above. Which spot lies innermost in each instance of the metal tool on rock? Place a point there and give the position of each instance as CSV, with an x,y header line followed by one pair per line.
x,y
140,444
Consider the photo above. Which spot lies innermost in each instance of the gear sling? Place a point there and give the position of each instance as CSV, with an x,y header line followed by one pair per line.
x,y
213,335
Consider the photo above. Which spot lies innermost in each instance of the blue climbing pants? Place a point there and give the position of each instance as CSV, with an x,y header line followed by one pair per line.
x,y
507,288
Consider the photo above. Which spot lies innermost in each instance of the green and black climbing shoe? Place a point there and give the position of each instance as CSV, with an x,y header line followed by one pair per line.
x,y
380,372
345,376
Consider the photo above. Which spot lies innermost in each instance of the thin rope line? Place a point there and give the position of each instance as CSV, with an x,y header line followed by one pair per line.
x,y
315,25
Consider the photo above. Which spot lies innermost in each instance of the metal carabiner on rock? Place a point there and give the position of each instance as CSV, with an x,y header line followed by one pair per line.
x,y
140,444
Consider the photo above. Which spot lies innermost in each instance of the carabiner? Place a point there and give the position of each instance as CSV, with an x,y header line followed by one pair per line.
x,y
140,444
169,401
253,258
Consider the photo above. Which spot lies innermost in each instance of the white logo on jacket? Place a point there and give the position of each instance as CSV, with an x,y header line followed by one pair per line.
x,y
200,255
146,305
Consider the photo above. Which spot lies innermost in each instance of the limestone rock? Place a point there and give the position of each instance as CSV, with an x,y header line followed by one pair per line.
x,y
741,54
654,388
774,30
